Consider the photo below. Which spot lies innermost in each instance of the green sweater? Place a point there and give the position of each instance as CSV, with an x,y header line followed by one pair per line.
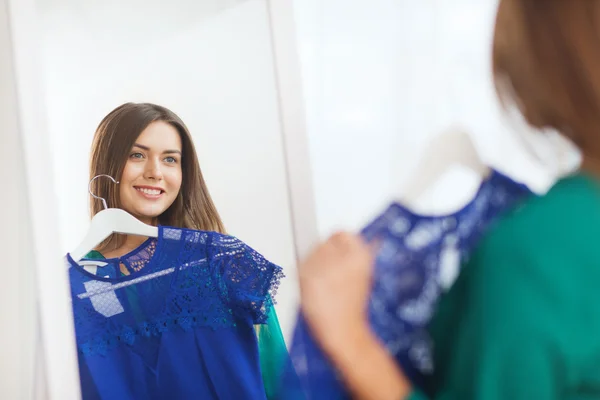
x,y
523,319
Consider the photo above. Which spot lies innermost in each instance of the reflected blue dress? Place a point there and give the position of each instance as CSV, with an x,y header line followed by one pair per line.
x,y
407,285
180,325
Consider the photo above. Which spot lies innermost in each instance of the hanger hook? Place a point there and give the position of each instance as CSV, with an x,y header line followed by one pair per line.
x,y
98,197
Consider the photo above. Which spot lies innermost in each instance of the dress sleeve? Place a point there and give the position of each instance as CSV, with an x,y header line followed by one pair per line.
x,y
248,280
507,338
273,352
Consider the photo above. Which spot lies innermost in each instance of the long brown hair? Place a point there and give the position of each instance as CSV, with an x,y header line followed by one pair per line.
x,y
546,58
115,136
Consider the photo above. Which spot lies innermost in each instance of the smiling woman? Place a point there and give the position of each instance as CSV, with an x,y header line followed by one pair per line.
x,y
150,148
230,70
153,171
194,306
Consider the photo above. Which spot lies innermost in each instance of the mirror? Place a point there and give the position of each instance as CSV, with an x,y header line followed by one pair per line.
x,y
212,63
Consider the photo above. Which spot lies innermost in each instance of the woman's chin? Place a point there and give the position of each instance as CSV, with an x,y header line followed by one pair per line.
x,y
147,218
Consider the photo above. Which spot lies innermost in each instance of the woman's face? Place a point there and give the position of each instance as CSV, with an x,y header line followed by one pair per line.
x,y
151,179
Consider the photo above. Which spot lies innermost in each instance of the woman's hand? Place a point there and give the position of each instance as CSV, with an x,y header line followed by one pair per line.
x,y
335,283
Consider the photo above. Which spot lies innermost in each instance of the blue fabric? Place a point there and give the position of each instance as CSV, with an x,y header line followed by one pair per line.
x,y
180,325
406,287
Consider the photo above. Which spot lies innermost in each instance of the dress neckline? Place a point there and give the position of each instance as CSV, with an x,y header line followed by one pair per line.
x,y
126,260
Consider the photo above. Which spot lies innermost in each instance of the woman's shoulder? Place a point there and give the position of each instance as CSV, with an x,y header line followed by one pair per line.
x,y
570,209
200,237
214,245
549,232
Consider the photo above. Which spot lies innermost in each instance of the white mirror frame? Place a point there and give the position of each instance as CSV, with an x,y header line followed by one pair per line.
x,y
293,124
57,375
57,352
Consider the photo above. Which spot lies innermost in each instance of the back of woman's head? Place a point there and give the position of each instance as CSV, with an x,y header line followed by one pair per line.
x,y
117,133
546,58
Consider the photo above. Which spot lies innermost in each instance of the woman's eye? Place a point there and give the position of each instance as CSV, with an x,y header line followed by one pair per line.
x,y
136,155
171,160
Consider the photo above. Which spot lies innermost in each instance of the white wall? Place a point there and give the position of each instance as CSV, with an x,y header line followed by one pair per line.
x,y
211,65
382,79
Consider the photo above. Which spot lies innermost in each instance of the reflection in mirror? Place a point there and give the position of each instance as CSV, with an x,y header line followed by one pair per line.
x,y
179,105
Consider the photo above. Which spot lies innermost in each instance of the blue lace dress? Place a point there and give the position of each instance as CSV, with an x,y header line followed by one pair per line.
x,y
180,325
407,285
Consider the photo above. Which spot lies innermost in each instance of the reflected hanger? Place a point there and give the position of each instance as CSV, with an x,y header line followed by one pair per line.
x,y
454,147
107,222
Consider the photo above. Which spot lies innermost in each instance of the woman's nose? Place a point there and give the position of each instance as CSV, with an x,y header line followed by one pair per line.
x,y
153,170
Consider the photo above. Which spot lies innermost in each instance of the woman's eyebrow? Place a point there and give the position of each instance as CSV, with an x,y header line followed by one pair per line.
x,y
141,146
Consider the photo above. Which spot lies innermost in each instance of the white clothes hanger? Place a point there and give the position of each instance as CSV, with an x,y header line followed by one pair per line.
x,y
107,222
452,148
455,147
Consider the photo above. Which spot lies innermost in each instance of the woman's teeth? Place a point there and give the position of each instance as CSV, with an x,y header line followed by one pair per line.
x,y
149,191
